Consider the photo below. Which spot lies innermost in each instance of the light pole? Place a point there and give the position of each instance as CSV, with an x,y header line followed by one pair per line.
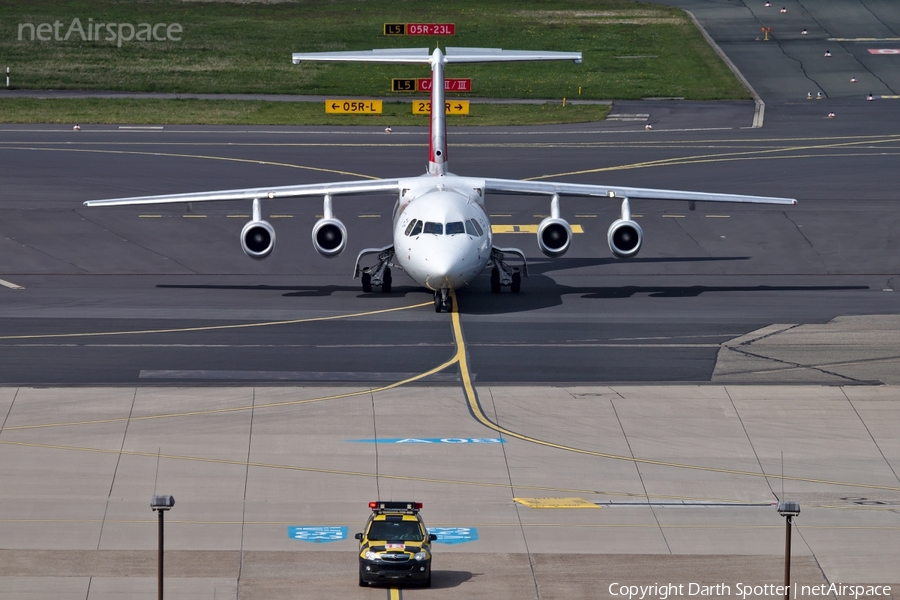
x,y
787,509
161,504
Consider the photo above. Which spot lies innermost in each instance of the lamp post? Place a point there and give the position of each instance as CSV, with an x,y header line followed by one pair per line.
x,y
787,509
161,504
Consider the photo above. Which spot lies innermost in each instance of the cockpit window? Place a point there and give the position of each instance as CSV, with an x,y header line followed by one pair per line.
x,y
455,227
478,228
435,228
470,229
416,230
411,225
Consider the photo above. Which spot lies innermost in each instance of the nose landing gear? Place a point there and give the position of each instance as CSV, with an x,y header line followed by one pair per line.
x,y
442,301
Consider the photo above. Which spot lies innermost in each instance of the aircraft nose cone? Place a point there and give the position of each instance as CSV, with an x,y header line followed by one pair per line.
x,y
447,266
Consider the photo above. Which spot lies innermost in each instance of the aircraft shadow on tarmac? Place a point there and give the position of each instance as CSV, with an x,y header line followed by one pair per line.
x,y
304,291
540,290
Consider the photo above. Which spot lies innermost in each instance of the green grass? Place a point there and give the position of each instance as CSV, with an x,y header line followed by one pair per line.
x,y
630,50
258,112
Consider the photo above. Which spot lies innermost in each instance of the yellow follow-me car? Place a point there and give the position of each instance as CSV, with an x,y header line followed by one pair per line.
x,y
395,545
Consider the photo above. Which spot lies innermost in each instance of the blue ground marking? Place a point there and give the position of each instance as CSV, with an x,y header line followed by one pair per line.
x,y
432,441
317,534
454,535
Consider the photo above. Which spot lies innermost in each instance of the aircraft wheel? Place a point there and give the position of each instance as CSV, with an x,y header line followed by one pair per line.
x,y
448,304
366,282
516,283
495,280
386,282
438,304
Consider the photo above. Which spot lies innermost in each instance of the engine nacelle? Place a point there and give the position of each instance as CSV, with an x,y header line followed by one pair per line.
x,y
554,236
257,239
625,238
329,237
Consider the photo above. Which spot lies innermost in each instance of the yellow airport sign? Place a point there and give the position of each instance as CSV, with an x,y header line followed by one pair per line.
x,y
451,107
576,228
356,107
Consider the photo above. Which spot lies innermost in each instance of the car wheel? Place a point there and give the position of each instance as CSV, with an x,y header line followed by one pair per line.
x,y
427,580
362,582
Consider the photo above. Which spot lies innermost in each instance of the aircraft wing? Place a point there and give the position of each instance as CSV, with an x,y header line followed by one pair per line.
x,y
389,55
548,188
377,186
479,55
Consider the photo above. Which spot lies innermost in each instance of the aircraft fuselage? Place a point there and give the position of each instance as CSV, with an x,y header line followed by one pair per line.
x,y
442,235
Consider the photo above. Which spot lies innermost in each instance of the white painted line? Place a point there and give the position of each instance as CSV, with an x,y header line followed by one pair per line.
x,y
140,127
10,285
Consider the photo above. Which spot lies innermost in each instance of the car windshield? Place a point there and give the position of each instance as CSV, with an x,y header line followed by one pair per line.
x,y
407,531
435,228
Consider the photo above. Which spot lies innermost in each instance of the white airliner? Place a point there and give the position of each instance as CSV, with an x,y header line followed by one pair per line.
x,y
441,232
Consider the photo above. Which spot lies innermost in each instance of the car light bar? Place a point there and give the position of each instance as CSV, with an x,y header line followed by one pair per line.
x,y
395,506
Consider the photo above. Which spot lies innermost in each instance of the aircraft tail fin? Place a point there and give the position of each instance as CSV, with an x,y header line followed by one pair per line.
x,y
437,146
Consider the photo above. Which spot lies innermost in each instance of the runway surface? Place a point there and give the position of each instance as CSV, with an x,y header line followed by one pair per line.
x,y
141,352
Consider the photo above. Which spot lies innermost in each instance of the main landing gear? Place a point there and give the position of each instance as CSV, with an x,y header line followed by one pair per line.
x,y
380,274
503,275
442,301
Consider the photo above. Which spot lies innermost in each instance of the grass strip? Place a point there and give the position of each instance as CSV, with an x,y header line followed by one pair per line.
x,y
630,50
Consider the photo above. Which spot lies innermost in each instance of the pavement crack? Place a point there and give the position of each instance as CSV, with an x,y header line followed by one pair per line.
x,y
876,17
686,232
151,250
860,63
871,437
800,231
246,483
750,441
762,337
112,483
790,364
47,254
9,412
783,51
537,588
637,468
375,437
794,223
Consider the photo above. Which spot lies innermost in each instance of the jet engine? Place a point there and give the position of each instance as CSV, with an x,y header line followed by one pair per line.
x,y
329,237
554,236
625,238
257,236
